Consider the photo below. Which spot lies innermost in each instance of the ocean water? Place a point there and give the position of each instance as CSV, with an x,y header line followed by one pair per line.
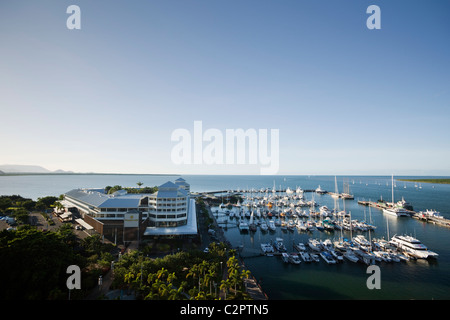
x,y
419,279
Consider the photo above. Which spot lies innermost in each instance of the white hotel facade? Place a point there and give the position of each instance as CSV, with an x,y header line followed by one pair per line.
x,y
128,217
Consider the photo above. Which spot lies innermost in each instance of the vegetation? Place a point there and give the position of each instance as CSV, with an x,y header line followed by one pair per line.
x,y
438,181
111,190
192,275
34,263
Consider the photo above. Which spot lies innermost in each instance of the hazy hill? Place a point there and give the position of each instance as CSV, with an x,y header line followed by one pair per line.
x,y
19,168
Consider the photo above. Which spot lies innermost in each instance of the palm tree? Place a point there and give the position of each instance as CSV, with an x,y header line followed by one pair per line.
x,y
139,184
193,272
209,277
161,273
225,285
245,274
235,279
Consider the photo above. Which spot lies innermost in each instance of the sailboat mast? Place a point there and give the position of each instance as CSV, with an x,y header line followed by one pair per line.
x,y
392,190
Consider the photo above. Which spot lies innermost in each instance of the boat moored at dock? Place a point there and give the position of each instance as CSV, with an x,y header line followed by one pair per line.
x,y
413,247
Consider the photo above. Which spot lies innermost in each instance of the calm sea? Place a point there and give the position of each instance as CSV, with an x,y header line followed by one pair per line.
x,y
412,280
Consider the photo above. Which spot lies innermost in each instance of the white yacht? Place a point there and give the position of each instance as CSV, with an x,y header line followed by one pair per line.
x,y
319,190
272,225
397,212
300,246
362,242
267,248
300,225
264,227
243,226
431,214
279,245
413,247
305,256
349,255
294,258
327,257
314,244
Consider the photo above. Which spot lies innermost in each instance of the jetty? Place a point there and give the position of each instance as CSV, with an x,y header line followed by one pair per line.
x,y
413,214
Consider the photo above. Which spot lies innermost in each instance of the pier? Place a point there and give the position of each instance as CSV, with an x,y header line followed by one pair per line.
x,y
413,214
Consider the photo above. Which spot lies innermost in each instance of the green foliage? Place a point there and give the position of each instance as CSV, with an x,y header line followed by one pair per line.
x,y
10,203
184,275
111,190
34,263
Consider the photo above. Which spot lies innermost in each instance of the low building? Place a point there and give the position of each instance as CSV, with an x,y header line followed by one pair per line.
x,y
123,217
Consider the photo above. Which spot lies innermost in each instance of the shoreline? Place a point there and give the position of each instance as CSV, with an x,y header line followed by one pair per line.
x,y
438,181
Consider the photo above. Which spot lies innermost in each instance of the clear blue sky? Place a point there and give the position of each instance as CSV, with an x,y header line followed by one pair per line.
x,y
346,99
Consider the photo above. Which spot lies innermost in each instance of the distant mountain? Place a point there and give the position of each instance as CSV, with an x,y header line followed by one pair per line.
x,y
19,168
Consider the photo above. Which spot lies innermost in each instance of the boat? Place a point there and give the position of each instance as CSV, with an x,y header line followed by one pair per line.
x,y
291,225
362,242
294,258
314,244
305,256
349,255
272,226
310,226
413,247
301,226
393,210
337,255
285,257
431,214
327,244
314,257
267,248
397,212
319,190
365,257
340,245
243,226
300,246
252,226
264,227
279,245
383,256
319,226
324,211
328,225
327,257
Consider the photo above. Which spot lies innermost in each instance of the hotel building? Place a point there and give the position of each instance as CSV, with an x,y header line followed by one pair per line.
x,y
127,217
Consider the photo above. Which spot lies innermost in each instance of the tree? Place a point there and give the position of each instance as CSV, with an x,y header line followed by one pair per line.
x,y
34,264
21,215
224,286
5,203
45,202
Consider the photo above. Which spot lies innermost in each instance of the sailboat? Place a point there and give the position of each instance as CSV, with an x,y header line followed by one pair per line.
x,y
252,224
395,211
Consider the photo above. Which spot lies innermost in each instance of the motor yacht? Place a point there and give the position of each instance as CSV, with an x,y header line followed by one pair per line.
x,y
314,244
413,247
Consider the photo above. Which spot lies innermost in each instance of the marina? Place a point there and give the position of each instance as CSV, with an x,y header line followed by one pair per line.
x,y
403,277
399,248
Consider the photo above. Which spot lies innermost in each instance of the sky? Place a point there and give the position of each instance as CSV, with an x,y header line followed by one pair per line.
x,y
345,99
